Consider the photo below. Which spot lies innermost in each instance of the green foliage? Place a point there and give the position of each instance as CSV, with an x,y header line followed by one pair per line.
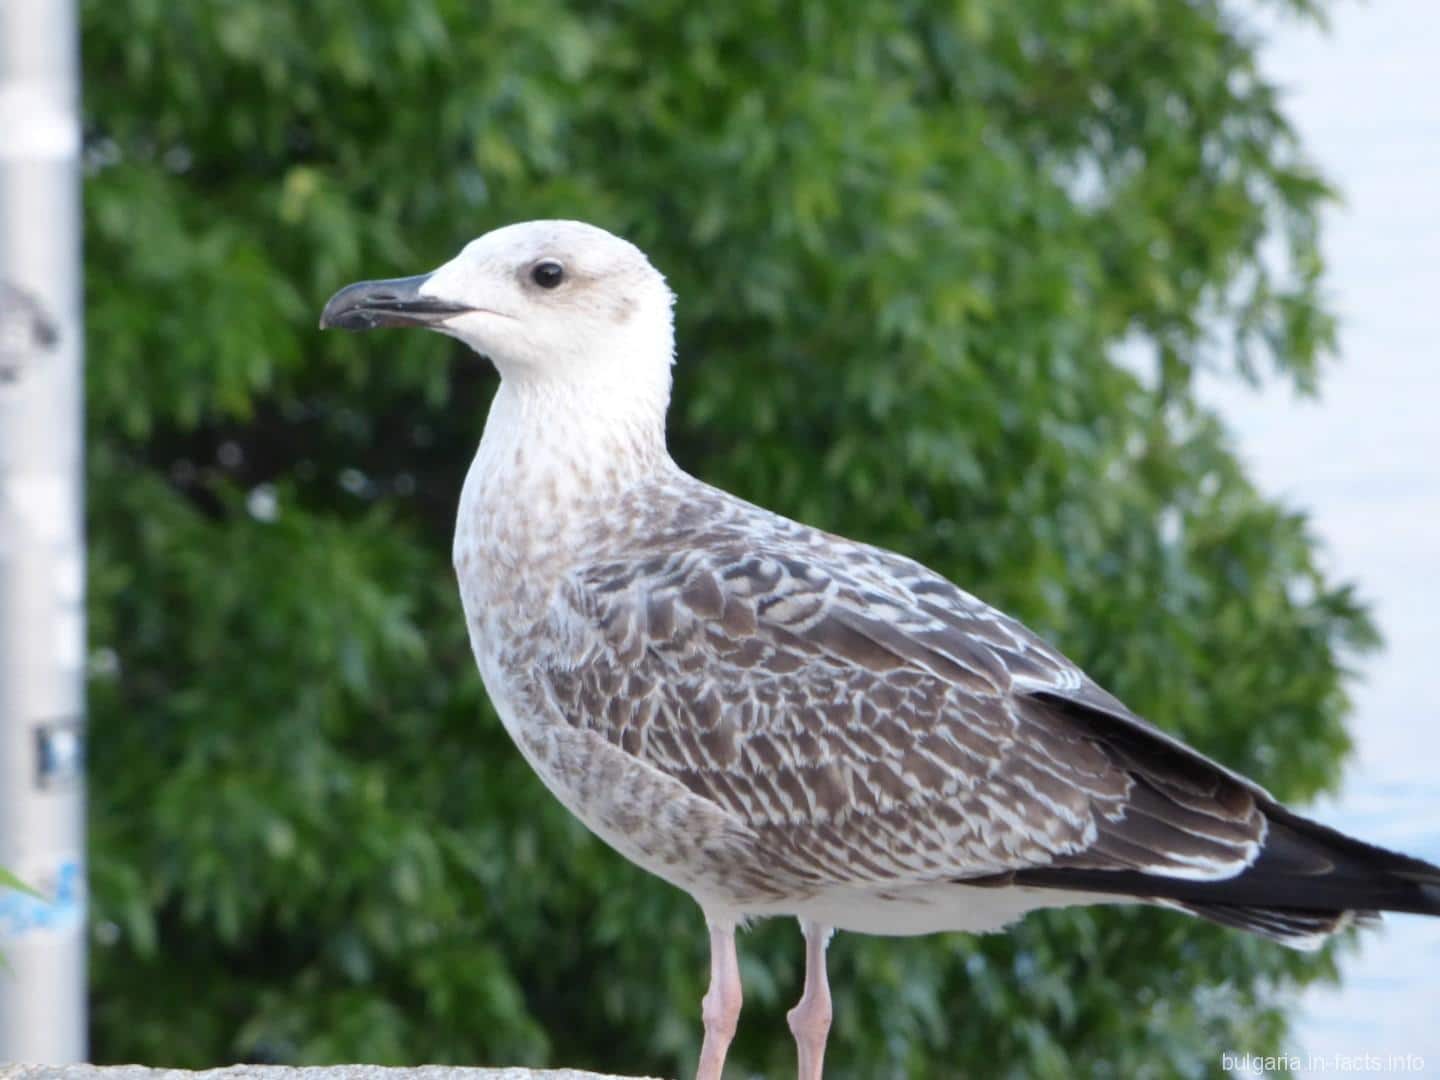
x,y
913,245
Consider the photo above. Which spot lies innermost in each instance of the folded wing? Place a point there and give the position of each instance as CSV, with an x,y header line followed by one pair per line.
x,y
874,724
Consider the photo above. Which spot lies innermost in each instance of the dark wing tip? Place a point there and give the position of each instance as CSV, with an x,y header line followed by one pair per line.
x,y
1298,928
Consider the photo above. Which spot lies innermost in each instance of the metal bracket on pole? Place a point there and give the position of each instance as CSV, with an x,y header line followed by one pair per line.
x,y
42,558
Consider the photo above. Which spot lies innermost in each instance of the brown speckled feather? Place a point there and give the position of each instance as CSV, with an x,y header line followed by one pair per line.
x,y
869,722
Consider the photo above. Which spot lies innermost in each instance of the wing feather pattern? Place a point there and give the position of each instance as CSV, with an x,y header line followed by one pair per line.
x,y
873,724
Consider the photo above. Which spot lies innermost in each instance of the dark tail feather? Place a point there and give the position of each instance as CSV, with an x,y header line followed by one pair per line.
x,y
1309,881
1297,927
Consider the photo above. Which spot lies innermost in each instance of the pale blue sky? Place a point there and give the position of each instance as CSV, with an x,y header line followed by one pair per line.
x,y
1365,463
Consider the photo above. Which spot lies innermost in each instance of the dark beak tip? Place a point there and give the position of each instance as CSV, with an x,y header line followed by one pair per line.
x,y
345,310
340,317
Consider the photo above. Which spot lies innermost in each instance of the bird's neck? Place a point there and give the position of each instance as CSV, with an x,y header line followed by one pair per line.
x,y
555,456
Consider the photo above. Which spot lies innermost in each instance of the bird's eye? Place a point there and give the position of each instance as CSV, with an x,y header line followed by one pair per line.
x,y
547,274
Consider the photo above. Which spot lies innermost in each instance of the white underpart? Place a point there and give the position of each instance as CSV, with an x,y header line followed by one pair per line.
x,y
929,909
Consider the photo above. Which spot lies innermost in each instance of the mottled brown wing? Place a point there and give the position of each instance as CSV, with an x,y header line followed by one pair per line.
x,y
873,723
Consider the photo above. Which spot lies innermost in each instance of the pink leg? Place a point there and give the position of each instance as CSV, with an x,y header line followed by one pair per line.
x,y
810,1019
720,1007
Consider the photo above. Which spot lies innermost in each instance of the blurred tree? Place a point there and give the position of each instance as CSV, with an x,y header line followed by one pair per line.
x,y
926,255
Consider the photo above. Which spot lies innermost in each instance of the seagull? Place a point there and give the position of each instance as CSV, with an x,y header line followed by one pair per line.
x,y
781,721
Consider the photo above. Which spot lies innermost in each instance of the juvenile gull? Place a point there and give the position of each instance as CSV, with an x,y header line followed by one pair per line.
x,y
781,721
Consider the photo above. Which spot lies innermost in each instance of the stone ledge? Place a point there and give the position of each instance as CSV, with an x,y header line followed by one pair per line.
x,y
282,1072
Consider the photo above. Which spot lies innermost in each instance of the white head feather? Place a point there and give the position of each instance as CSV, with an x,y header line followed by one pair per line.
x,y
561,300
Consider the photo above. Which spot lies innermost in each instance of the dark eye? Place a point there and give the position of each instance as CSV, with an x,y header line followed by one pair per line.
x,y
547,274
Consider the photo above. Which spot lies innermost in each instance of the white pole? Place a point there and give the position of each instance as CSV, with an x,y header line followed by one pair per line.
x,y
42,559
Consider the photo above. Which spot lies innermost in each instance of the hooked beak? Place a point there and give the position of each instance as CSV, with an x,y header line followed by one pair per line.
x,y
395,302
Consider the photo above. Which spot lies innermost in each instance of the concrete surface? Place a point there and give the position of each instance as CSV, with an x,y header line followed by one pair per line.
x,y
280,1072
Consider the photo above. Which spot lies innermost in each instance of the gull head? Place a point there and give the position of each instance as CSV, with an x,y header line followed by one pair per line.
x,y
543,300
